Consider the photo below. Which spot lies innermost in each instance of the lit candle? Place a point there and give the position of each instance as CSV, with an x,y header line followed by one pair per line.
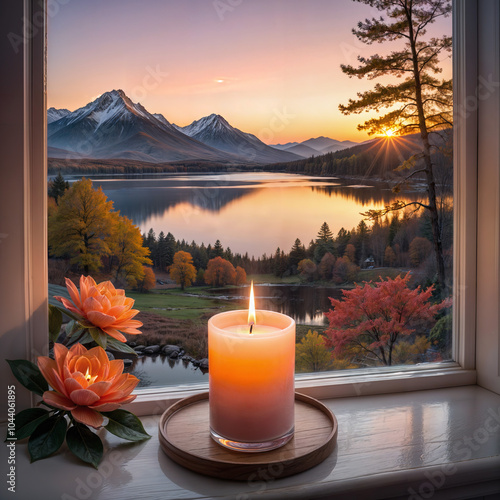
x,y
251,378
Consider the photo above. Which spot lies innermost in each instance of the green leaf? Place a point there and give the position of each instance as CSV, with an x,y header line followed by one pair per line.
x,y
47,438
55,322
86,338
27,421
126,425
116,345
29,375
99,337
86,445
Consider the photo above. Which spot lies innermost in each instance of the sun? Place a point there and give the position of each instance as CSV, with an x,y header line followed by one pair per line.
x,y
389,132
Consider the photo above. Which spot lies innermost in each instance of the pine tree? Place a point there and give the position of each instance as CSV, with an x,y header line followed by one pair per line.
x,y
418,103
58,187
324,234
217,250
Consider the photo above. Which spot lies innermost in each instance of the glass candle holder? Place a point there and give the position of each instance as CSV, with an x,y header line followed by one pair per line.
x,y
251,380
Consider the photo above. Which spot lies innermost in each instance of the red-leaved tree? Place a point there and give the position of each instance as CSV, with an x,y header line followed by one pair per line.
x,y
372,317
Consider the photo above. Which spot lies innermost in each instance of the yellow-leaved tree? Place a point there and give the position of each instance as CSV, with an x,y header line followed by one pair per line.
x,y
84,228
312,354
82,225
182,270
128,256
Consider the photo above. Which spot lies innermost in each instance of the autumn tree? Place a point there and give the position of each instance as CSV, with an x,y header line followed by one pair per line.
x,y
148,281
415,99
127,255
312,354
182,270
307,269
389,257
419,250
372,318
82,226
344,271
241,276
325,267
350,252
219,272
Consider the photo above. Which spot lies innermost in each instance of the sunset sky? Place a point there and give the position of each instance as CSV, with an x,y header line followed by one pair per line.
x,y
270,67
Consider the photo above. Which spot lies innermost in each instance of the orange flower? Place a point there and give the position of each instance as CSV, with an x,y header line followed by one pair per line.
x,y
85,382
102,306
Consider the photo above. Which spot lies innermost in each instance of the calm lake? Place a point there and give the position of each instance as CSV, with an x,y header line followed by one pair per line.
x,y
253,212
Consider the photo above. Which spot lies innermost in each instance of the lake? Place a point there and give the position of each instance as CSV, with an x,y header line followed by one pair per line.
x,y
253,212
305,304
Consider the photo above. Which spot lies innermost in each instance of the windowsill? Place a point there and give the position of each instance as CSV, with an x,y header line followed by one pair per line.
x,y
387,444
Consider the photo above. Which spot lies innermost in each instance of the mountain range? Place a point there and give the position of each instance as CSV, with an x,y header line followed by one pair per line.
x,y
114,127
313,147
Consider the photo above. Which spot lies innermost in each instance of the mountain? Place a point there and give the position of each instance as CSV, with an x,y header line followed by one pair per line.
x,y
338,146
320,143
54,114
303,150
315,146
215,131
160,117
284,146
112,126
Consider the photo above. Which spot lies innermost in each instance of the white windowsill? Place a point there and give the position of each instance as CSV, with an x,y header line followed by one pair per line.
x,y
343,384
386,445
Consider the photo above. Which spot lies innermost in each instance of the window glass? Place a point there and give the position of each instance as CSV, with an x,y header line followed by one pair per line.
x,y
229,142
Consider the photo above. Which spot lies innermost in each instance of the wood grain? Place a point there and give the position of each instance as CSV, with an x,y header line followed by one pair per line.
x,y
184,436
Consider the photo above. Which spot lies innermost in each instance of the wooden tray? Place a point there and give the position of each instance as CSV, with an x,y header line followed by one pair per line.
x,y
185,437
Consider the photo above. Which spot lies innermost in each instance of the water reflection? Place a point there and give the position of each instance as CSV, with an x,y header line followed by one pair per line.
x,y
249,212
305,304
162,371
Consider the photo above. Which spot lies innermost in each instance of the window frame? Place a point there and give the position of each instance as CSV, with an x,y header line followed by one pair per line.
x,y
355,382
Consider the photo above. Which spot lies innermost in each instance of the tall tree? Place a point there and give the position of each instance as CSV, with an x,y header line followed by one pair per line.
x,y
82,226
217,250
324,234
297,253
419,102
182,270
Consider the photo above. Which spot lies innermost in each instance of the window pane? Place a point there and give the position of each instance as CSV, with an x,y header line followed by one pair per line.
x,y
257,141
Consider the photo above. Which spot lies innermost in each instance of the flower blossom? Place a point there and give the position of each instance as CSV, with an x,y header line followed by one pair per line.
x,y
85,382
102,306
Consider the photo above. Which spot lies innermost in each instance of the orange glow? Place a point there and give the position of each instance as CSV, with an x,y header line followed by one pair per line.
x,y
388,133
251,307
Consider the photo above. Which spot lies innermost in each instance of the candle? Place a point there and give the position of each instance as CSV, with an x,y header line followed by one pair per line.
x,y
251,379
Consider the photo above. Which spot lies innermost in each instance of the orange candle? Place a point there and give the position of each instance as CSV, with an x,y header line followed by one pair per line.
x,y
251,378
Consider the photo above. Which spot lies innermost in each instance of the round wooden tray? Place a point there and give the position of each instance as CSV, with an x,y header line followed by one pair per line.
x,y
185,437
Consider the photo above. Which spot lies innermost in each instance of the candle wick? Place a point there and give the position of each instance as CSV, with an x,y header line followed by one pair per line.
x,y
251,327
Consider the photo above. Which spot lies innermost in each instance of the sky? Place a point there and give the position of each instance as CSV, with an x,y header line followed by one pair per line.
x,y
270,67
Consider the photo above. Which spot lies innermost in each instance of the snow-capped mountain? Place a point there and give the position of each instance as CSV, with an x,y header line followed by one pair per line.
x,y
54,114
215,131
112,126
160,117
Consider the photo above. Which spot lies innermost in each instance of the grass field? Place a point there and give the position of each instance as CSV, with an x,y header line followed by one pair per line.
x,y
175,304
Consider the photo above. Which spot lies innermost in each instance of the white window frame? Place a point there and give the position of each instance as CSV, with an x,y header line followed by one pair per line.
x,y
33,311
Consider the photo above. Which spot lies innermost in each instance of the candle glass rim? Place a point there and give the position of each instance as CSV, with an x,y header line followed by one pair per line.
x,y
244,313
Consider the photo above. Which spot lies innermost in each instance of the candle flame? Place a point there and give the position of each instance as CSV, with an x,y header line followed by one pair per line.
x,y
251,308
